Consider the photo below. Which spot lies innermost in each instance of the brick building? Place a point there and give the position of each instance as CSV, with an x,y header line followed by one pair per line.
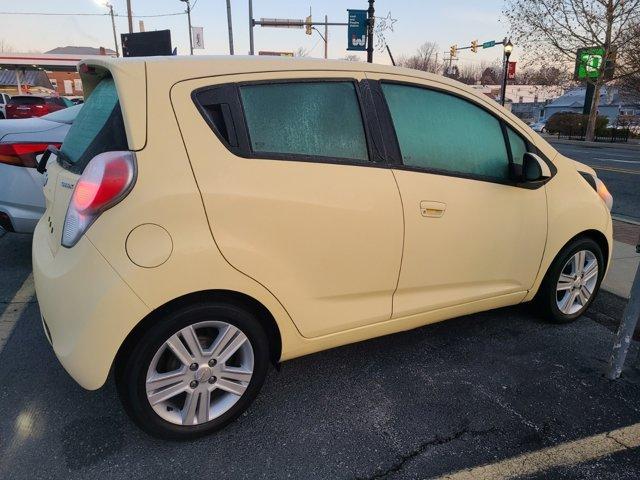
x,y
69,83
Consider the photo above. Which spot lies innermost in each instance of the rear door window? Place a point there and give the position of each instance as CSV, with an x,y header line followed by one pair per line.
x,y
26,101
305,119
98,128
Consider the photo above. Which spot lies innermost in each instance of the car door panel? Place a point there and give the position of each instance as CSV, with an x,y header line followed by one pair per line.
x,y
325,238
466,239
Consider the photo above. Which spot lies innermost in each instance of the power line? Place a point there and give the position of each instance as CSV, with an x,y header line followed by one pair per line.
x,y
90,14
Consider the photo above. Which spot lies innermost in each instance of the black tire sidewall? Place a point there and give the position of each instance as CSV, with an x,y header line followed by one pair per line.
x,y
131,380
548,290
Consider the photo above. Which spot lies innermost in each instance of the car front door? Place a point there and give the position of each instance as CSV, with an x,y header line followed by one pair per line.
x,y
471,234
284,163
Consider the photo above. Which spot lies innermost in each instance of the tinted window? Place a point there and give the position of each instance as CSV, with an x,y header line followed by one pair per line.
x,y
26,100
97,128
307,118
518,146
443,132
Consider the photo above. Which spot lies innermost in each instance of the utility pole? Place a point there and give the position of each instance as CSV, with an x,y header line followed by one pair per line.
x,y
230,27
113,25
129,16
189,21
250,27
326,37
370,22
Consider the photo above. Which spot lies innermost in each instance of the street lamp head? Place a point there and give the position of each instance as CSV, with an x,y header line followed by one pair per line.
x,y
508,48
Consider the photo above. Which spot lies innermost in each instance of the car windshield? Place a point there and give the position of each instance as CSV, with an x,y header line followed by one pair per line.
x,y
66,115
98,127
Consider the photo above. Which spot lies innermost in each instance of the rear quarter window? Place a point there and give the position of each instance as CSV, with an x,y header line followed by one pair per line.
x,y
98,128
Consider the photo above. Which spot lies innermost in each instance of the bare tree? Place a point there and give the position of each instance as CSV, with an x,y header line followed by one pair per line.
x,y
351,57
557,28
301,52
424,59
6,47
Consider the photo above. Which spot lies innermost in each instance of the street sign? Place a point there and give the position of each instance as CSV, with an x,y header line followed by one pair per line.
x,y
511,71
282,22
196,37
489,44
357,30
590,63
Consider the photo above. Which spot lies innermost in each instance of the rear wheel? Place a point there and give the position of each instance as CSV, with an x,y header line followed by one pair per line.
x,y
194,372
572,281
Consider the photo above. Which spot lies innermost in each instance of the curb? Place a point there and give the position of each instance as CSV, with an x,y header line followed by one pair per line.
x,y
560,141
625,219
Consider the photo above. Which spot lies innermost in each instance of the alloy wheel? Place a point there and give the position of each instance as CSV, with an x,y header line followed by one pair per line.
x,y
199,373
577,282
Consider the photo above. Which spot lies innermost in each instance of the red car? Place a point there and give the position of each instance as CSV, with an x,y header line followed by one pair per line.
x,y
27,106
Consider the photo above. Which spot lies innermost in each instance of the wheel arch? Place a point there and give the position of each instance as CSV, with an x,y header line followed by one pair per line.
x,y
596,235
238,299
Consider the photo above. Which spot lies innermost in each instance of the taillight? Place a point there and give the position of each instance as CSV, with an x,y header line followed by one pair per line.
x,y
22,154
106,180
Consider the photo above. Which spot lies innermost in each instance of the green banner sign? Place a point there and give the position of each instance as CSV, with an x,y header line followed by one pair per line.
x,y
489,44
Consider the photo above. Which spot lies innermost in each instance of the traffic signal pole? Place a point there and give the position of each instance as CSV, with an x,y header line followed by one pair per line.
x,y
370,23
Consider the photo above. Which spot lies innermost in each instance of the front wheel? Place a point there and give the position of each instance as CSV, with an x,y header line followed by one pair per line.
x,y
195,371
572,281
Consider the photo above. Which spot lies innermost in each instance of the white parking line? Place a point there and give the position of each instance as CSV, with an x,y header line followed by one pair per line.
x,y
563,455
18,304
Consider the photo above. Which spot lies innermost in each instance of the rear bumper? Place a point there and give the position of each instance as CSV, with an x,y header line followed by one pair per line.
x,y
88,309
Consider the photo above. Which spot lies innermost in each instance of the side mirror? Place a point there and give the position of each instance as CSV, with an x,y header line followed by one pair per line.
x,y
534,168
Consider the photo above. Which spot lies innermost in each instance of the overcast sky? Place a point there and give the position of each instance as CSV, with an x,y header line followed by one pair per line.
x,y
443,22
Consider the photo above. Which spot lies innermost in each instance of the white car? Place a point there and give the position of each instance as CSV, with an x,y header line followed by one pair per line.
x,y
22,142
538,126
4,99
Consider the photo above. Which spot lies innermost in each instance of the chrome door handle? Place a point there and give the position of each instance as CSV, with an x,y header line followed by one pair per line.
x,y
432,209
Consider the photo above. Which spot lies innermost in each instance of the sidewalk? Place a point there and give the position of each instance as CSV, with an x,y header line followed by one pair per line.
x,y
624,261
632,144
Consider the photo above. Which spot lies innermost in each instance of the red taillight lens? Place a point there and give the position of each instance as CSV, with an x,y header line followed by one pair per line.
x,y
106,180
22,154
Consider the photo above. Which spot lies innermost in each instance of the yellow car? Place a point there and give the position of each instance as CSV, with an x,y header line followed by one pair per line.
x,y
207,216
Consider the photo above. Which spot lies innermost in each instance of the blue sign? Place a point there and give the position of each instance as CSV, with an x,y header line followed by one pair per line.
x,y
357,31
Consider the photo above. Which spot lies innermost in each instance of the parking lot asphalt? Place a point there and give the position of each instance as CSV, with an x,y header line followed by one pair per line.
x,y
501,390
619,168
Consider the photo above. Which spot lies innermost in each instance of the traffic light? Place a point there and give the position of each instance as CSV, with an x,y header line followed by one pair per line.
x,y
309,27
453,51
474,46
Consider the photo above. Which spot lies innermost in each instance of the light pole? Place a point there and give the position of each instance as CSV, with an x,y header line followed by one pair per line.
x,y
370,23
250,27
113,25
230,26
189,21
508,48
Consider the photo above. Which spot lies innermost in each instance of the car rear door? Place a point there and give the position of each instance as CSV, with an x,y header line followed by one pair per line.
x,y
471,234
295,198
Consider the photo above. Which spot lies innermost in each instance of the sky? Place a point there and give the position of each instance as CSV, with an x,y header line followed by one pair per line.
x,y
444,22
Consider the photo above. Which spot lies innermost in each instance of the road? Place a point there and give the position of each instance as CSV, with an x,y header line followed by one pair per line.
x,y
501,393
619,169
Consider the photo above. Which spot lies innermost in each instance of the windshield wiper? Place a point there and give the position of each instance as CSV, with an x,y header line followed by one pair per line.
x,y
42,164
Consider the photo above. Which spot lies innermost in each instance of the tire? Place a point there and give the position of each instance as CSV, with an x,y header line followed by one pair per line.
x,y
549,299
151,357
